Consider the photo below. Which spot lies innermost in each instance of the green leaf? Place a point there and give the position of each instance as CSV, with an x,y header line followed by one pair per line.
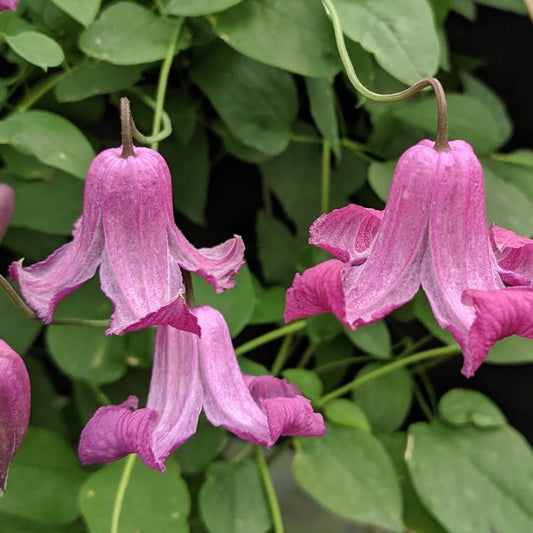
x,y
44,480
126,33
34,246
237,304
347,413
401,34
258,103
308,382
373,339
232,499
380,177
424,313
349,473
36,48
50,138
322,100
472,479
252,368
236,148
270,304
195,8
460,407
295,36
522,157
322,328
511,350
467,8
386,400
153,501
82,11
90,78
515,6
86,352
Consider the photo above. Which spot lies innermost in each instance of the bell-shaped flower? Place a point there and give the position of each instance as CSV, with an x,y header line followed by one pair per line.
x,y
127,228
432,233
191,373
14,407
8,4
7,205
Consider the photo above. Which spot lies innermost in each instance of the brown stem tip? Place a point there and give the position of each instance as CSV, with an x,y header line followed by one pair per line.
x,y
126,123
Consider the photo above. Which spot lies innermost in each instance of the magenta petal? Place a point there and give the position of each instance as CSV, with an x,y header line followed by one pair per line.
x,y
114,431
7,206
318,290
14,407
288,412
347,233
514,255
227,400
498,314
8,4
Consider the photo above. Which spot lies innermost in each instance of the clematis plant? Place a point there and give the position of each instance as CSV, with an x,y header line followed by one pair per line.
x,y
192,373
127,228
8,4
433,234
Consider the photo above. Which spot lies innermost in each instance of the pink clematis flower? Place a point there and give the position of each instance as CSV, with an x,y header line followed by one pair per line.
x,y
191,373
127,227
8,4
433,234
14,407
7,206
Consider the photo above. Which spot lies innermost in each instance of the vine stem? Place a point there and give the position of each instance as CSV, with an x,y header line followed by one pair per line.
x,y
121,491
39,91
441,143
273,503
270,336
282,356
381,371
326,177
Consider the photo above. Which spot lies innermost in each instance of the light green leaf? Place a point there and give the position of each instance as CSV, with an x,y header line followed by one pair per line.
x,y
373,339
36,48
522,157
126,33
472,479
349,473
511,350
423,312
232,499
82,11
195,8
380,177
153,501
347,413
307,381
295,36
50,138
258,103
467,8
401,34
44,480
386,400
515,6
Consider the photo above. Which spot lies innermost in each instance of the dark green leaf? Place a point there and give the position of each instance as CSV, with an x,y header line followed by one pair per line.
x,y
236,148
270,304
380,177
309,383
516,6
373,339
83,11
36,48
194,8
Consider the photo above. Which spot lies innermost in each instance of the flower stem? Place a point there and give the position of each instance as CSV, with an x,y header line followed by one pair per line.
x,y
282,356
163,80
39,91
273,503
326,177
441,143
381,371
126,128
121,491
306,356
270,336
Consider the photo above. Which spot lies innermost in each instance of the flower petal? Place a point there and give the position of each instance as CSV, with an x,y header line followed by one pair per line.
x,y
514,255
227,400
498,314
347,233
7,206
14,407
288,412
318,290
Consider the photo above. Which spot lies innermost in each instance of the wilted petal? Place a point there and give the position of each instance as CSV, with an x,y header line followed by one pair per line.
x,y
227,400
7,206
318,290
288,412
347,233
14,407
514,255
498,314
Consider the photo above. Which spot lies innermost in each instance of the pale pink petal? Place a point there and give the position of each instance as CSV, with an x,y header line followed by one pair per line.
x,y
458,255
14,407
8,4
288,412
348,233
7,206
318,290
227,400
514,255
498,314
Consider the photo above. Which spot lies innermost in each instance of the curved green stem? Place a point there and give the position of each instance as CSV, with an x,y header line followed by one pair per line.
x,y
121,492
163,81
326,177
269,337
441,142
151,103
381,371
39,91
282,356
87,322
272,499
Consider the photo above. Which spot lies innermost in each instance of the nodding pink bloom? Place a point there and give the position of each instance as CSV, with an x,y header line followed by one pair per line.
x,y
127,228
191,373
14,407
8,4
433,234
7,206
